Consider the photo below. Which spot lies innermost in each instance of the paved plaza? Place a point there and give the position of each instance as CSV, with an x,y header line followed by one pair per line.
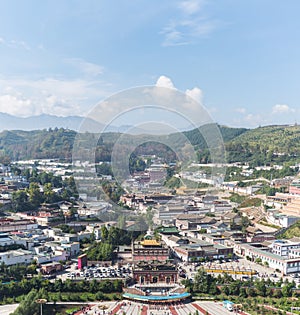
x,y
7,309
133,308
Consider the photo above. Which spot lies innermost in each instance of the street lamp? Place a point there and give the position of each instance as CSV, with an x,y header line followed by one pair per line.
x,y
41,302
103,308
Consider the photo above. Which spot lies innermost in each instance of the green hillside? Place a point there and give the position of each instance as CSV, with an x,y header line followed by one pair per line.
x,y
270,144
266,145
18,144
292,231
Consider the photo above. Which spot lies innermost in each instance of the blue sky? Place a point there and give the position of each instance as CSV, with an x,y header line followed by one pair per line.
x,y
239,58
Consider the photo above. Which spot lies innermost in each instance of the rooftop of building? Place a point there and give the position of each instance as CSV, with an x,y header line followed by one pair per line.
x,y
150,243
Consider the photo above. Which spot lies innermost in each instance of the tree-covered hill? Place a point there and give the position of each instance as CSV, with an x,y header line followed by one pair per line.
x,y
270,144
52,143
58,143
266,145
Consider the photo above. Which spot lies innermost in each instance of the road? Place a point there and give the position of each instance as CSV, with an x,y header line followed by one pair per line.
x,y
7,309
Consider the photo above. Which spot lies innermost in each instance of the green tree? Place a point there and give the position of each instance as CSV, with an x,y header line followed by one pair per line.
x,y
104,233
49,194
28,305
261,288
287,289
35,195
20,201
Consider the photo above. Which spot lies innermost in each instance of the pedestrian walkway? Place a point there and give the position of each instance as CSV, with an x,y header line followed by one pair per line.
x,y
173,310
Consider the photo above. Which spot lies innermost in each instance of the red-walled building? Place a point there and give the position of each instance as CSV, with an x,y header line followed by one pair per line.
x,y
149,250
82,261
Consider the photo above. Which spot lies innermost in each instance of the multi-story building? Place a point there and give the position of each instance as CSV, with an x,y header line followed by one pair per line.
x,y
265,256
284,248
149,250
156,272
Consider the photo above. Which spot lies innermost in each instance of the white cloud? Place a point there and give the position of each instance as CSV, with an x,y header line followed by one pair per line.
x,y
165,82
173,37
254,120
189,25
15,43
19,44
196,94
20,106
22,97
241,110
282,109
191,6
14,105
87,68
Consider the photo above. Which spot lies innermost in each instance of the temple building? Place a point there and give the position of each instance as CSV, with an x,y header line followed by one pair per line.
x,y
149,250
155,272
151,262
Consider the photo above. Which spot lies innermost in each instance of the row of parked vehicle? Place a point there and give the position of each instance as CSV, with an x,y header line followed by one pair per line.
x,y
101,272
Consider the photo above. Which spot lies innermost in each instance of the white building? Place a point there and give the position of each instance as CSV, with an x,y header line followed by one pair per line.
x,y
283,248
6,240
274,261
93,209
14,257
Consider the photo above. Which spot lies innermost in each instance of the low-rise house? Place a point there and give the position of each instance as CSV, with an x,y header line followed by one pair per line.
x,y
14,257
16,224
257,235
217,238
52,267
93,209
191,221
279,200
55,251
95,228
235,236
231,218
221,206
173,240
166,215
6,239
280,219
84,235
201,250
218,227
124,254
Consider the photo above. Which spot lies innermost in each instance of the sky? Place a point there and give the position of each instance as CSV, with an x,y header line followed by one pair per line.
x,y
238,58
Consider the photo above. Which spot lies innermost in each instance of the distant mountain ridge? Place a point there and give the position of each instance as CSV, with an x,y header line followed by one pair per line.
x,y
45,121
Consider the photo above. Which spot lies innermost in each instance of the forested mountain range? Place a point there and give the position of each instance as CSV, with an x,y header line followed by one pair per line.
x,y
259,146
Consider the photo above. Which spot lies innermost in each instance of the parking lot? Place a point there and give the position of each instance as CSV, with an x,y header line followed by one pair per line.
x,y
97,272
